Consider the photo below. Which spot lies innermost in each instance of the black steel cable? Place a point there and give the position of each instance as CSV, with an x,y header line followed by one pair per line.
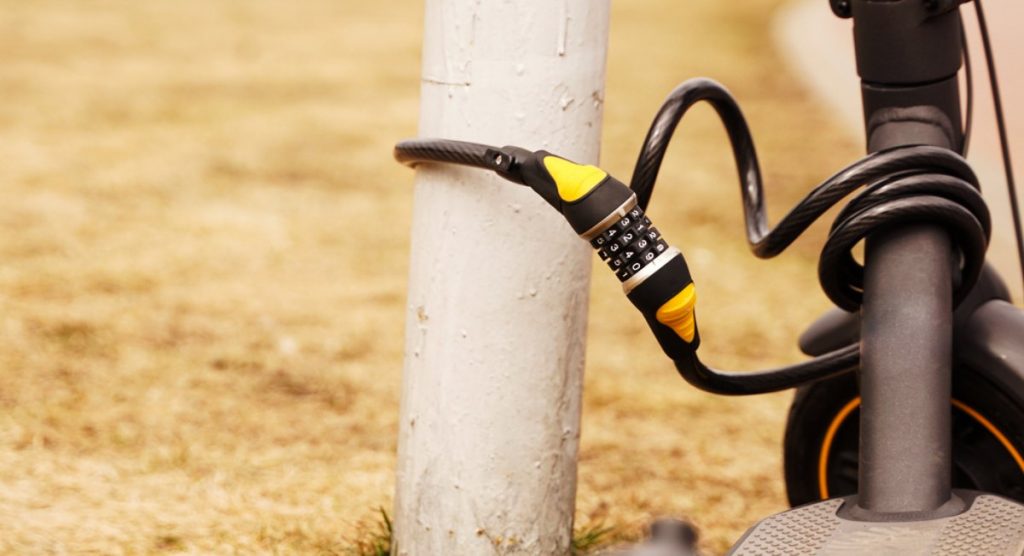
x,y
1004,143
917,183
745,383
417,151
889,175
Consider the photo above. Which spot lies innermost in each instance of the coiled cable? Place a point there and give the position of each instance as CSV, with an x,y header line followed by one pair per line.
x,y
900,185
916,183
904,184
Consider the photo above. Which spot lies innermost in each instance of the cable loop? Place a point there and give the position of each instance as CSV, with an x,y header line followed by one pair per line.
x,y
902,185
905,184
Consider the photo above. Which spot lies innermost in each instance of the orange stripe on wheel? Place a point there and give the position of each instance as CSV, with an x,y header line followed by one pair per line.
x,y
840,417
826,446
992,429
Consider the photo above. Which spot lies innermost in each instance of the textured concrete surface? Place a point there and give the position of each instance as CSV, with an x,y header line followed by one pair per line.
x,y
496,316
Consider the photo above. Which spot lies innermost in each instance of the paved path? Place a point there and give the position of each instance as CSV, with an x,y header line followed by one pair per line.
x,y
819,47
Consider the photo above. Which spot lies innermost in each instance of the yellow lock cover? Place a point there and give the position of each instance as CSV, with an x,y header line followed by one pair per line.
x,y
573,180
677,313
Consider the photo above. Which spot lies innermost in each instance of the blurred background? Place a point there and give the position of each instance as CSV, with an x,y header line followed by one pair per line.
x,y
205,244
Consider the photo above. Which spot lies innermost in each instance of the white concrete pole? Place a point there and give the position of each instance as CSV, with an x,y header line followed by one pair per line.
x,y
498,284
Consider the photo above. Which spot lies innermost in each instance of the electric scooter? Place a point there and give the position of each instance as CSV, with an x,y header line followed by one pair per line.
x,y
907,431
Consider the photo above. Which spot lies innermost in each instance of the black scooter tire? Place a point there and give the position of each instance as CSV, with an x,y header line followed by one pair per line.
x,y
822,430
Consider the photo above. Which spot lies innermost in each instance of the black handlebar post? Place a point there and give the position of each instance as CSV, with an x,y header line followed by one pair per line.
x,y
908,55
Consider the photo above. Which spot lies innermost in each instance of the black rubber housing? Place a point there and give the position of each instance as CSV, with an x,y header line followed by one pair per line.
x,y
588,211
652,293
583,213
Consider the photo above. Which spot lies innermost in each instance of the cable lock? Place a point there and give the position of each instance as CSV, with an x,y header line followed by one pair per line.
x,y
906,184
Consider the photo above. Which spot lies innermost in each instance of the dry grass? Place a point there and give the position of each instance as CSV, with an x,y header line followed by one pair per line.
x,y
205,243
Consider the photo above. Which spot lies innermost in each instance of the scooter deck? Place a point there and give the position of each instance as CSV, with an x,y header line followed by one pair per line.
x,y
992,525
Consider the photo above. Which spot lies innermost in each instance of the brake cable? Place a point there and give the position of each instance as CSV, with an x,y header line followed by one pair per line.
x,y
1004,144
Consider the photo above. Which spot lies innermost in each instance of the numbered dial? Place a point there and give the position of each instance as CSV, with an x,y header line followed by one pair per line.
x,y
630,244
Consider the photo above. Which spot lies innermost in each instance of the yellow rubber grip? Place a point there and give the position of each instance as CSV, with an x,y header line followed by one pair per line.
x,y
677,313
573,180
